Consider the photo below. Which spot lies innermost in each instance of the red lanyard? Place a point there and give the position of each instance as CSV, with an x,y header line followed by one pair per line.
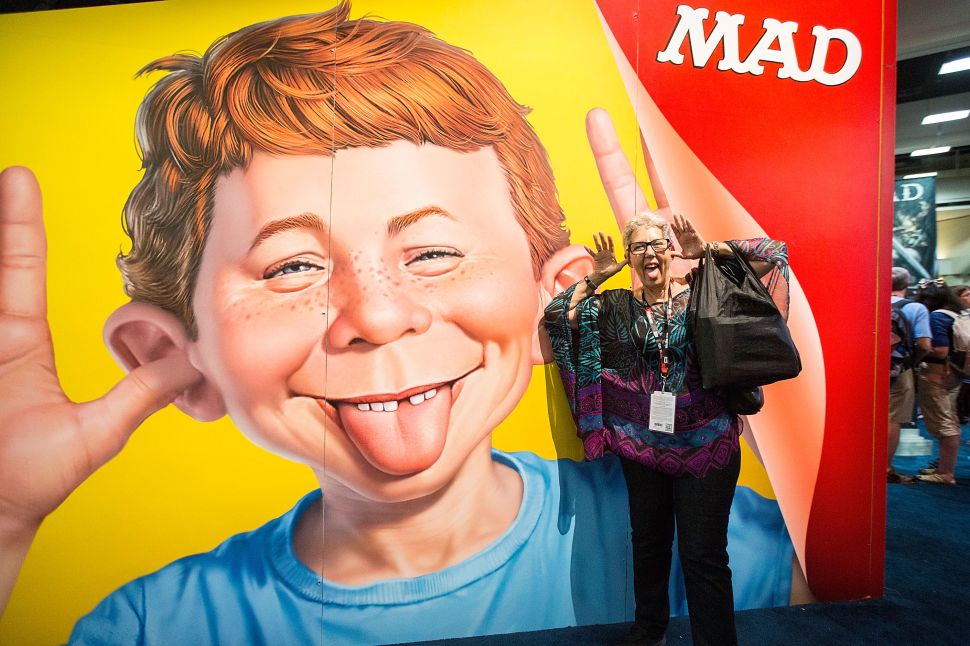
x,y
663,341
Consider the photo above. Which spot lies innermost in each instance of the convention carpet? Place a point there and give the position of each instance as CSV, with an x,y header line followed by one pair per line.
x,y
927,594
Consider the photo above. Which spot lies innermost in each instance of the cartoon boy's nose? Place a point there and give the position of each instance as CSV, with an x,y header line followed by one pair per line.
x,y
376,312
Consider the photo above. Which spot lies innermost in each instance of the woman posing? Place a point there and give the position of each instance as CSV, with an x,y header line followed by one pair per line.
x,y
625,356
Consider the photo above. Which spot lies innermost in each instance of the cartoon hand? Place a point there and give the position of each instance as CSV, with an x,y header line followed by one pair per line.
x,y
604,258
48,444
619,181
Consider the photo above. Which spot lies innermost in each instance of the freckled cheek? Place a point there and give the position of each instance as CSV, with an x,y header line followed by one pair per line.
x,y
488,304
262,337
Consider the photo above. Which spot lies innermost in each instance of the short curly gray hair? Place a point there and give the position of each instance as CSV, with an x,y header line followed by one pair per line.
x,y
901,278
645,220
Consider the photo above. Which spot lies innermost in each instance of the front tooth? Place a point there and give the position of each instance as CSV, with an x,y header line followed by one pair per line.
x,y
363,406
431,393
390,406
416,399
377,406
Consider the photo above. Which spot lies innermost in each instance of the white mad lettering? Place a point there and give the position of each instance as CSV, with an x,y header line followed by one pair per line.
x,y
776,45
908,192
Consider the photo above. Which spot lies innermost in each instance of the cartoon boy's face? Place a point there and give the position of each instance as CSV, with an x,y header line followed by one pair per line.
x,y
371,314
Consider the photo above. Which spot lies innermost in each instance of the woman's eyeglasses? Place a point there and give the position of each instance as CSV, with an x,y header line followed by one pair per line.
x,y
659,245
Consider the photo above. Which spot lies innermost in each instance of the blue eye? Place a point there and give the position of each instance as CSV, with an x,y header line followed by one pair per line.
x,y
435,254
291,267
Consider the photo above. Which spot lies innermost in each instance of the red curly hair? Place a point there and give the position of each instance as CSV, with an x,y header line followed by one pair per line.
x,y
311,85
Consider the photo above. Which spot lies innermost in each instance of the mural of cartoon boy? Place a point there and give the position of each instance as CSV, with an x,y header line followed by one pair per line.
x,y
344,238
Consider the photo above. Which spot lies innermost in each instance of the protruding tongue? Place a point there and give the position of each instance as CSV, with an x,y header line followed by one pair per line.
x,y
404,441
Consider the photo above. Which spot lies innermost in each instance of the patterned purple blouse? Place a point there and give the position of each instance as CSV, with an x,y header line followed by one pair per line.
x,y
611,364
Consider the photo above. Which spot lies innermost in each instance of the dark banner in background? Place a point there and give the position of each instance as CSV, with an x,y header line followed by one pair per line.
x,y
914,226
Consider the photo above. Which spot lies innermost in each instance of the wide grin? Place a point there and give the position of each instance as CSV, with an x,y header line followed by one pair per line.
x,y
391,405
399,433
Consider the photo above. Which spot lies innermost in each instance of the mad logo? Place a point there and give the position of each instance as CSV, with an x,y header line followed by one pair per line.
x,y
776,45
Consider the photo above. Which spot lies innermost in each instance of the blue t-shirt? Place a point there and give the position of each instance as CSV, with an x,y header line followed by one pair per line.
x,y
942,328
918,317
565,561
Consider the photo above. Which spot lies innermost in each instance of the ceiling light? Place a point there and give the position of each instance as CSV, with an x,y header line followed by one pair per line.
x,y
930,151
918,175
958,65
945,116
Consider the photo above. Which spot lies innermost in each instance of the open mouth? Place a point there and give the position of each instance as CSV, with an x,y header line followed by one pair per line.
x,y
390,403
399,433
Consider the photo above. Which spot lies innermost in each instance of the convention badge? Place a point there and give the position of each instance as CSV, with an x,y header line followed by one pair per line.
x,y
663,405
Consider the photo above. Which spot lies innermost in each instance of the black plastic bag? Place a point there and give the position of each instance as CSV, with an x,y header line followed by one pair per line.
x,y
744,400
742,339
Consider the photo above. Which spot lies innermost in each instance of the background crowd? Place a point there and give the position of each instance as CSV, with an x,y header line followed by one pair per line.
x,y
929,371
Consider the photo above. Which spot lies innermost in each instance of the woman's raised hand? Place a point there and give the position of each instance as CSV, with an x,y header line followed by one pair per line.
x,y
692,245
48,444
605,263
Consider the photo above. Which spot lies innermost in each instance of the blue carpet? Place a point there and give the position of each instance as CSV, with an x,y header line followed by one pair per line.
x,y
927,594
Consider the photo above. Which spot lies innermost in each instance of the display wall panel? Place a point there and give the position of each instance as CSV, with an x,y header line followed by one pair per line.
x,y
742,154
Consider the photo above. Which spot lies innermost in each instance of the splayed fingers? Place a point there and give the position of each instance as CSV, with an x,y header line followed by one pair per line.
x,y
604,257
39,425
691,242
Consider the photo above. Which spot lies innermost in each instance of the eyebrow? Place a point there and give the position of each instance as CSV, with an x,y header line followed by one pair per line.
x,y
400,222
302,221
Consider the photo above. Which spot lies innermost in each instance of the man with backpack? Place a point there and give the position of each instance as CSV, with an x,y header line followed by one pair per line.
x,y
910,338
962,292
939,376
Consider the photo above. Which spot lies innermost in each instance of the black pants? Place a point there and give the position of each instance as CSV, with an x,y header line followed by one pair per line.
x,y
701,507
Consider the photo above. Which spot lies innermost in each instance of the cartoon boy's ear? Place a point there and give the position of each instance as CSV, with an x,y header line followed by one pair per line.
x,y
138,334
564,268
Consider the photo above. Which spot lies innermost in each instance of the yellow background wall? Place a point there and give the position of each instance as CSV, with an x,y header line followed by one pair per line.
x,y
69,99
